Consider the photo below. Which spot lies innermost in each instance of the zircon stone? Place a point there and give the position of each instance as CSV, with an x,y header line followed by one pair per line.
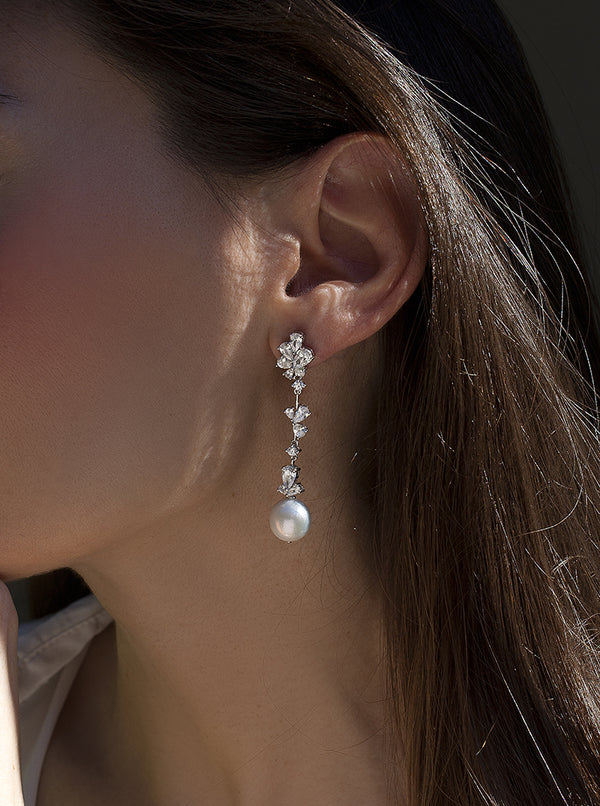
x,y
304,356
298,386
283,362
289,474
299,430
289,492
287,350
293,451
299,414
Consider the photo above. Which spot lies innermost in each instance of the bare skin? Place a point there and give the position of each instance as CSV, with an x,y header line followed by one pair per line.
x,y
145,432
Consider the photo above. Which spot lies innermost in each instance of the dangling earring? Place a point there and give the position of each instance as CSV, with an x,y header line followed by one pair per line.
x,y
290,518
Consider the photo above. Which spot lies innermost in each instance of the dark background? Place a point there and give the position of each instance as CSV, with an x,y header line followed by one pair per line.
x,y
562,43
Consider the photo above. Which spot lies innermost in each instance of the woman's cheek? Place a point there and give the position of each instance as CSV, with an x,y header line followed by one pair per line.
x,y
95,410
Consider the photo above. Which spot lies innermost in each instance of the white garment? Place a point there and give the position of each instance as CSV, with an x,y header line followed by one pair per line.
x,y
50,652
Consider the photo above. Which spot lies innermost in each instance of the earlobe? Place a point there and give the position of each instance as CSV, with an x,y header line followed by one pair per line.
x,y
362,247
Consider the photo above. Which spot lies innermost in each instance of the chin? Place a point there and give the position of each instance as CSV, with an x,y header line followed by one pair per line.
x,y
13,575
21,569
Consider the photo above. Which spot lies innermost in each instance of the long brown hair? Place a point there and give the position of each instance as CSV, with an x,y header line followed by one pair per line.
x,y
486,453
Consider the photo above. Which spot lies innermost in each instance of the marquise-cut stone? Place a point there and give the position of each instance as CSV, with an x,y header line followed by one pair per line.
x,y
288,350
299,430
295,489
299,414
296,339
284,362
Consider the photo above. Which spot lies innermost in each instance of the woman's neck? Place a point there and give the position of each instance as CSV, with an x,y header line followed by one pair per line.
x,y
241,670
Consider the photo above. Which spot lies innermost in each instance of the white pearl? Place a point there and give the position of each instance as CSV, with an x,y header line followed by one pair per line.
x,y
290,520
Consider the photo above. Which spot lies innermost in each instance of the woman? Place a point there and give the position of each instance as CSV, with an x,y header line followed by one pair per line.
x,y
194,193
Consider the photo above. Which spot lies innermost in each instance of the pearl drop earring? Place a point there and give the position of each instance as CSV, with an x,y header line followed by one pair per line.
x,y
290,518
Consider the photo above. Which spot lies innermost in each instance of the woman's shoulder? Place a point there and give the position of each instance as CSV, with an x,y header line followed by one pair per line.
x,y
50,651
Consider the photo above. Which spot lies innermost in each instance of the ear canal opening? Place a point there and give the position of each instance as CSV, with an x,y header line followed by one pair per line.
x,y
346,254
301,283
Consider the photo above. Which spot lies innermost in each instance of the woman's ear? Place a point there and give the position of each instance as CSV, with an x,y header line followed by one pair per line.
x,y
352,215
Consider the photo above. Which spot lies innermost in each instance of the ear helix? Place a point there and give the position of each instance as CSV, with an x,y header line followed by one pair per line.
x,y
290,518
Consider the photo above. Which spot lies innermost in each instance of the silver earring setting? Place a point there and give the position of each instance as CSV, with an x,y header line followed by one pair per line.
x,y
290,518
